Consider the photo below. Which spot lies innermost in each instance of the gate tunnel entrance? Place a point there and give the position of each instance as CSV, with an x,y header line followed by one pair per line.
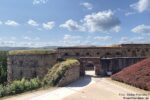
x,y
90,64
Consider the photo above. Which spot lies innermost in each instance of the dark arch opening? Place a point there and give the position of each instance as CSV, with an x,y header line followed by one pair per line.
x,y
89,66
66,54
138,50
77,54
87,54
118,53
134,53
108,53
147,50
97,53
129,50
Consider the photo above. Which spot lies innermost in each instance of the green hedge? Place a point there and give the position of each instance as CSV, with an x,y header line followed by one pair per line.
x,y
55,74
19,86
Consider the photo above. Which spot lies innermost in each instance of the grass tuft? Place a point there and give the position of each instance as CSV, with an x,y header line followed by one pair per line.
x,y
24,52
55,74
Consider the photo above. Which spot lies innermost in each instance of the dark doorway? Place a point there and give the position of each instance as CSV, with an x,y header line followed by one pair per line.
x,y
89,66
89,69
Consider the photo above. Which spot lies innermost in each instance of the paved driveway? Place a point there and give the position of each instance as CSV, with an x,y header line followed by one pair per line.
x,y
89,88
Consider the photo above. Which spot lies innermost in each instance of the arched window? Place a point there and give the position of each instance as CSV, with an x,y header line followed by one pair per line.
x,y
97,53
66,54
138,50
87,54
77,54
146,49
118,53
129,50
108,53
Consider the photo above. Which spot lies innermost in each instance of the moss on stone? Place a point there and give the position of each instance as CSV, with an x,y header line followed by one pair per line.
x,y
55,74
28,52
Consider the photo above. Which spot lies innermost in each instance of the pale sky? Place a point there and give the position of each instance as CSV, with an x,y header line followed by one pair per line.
x,y
36,23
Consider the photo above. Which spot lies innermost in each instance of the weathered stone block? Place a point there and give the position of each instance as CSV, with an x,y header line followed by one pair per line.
x,y
72,74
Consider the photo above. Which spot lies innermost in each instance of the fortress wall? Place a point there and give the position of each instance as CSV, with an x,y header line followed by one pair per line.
x,y
137,51
87,52
114,65
29,65
124,51
135,45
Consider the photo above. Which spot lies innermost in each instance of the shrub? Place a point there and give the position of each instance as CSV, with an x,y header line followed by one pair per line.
x,y
35,83
1,90
19,86
3,67
27,85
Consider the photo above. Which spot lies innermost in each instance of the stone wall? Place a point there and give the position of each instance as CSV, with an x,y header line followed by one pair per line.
x,y
29,65
137,75
124,50
95,61
72,74
114,65
32,65
94,53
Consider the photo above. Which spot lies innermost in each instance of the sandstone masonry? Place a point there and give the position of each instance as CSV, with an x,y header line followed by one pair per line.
x,y
29,65
72,74
33,65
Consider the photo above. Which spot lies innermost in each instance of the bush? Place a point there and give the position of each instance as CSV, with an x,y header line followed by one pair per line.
x,y
19,86
1,90
3,67
35,83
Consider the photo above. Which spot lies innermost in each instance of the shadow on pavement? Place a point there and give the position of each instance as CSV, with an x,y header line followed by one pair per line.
x,y
83,81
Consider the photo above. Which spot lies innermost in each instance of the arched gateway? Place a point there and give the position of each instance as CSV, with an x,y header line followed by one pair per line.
x,y
106,60
93,60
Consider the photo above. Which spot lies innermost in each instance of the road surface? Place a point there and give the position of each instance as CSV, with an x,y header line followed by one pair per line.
x,y
88,88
